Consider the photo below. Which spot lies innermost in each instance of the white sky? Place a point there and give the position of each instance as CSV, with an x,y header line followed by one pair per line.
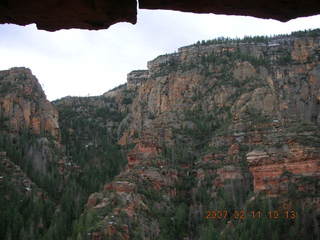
x,y
81,62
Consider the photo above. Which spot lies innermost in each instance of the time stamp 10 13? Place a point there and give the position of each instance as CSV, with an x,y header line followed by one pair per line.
x,y
254,214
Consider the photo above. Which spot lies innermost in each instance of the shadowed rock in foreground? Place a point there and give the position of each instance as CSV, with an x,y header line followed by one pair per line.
x,y
52,15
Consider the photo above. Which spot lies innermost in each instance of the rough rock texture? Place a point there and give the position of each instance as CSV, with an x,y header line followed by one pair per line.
x,y
100,14
128,195
29,122
25,112
141,152
23,104
54,15
280,10
222,125
136,78
33,166
270,168
212,124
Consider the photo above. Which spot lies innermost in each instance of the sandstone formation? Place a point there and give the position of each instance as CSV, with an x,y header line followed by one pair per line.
x,y
270,169
24,105
216,131
31,156
37,174
212,125
100,14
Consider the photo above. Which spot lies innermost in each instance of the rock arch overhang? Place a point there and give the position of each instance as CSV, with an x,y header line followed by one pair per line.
x,y
54,15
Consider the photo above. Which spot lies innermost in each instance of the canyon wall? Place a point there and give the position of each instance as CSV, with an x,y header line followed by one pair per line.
x,y
24,105
183,150
216,126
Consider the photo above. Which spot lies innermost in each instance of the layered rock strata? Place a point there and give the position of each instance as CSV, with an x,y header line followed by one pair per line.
x,y
220,121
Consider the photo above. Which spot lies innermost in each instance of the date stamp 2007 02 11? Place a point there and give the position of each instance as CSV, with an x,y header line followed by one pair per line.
x,y
255,214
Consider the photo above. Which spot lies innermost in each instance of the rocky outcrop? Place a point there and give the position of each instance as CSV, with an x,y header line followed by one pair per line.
x,y
23,105
260,80
275,169
128,195
136,78
215,124
220,127
25,112
99,14
142,153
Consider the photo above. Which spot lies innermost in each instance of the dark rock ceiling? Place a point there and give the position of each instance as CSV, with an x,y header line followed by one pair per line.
x,y
53,15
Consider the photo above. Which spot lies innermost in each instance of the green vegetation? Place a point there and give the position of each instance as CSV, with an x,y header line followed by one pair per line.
x,y
257,116
93,158
263,218
208,175
93,148
258,39
6,87
226,40
307,33
285,59
24,215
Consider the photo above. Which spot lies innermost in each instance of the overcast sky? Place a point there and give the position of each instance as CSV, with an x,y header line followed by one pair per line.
x,y
81,62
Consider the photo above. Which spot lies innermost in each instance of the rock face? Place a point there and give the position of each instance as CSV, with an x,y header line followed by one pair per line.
x,y
270,169
223,130
211,126
100,14
136,78
41,163
29,122
30,156
25,111
24,105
